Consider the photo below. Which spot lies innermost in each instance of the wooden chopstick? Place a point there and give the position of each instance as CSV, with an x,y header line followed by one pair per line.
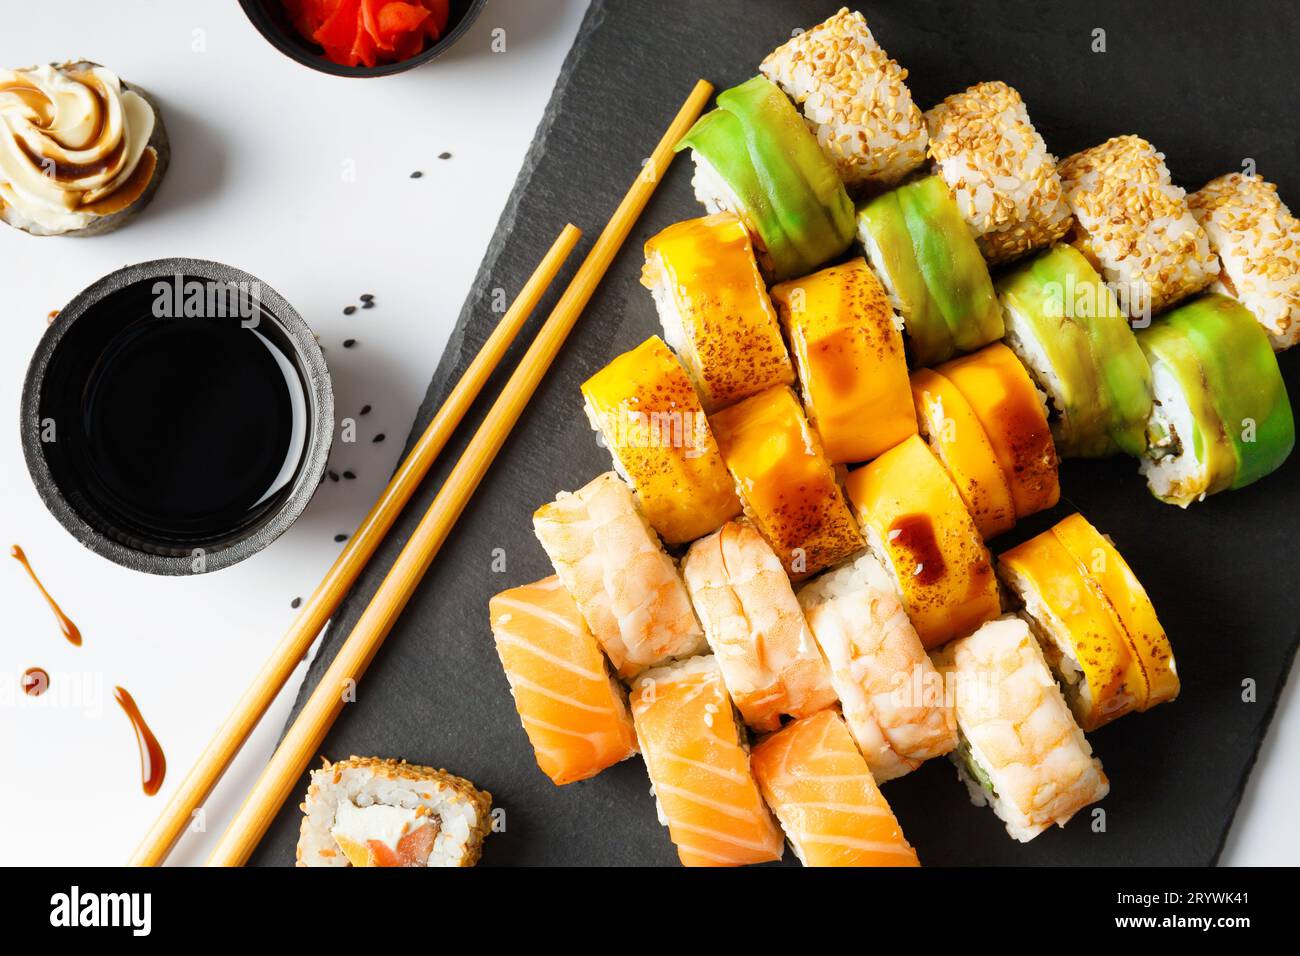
x,y
303,738
324,601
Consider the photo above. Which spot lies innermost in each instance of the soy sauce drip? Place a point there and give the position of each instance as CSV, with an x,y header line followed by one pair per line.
x,y
153,764
35,681
65,624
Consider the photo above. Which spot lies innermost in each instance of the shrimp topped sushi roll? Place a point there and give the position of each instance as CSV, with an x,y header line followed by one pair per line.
x,y
889,690
1258,244
786,484
821,790
715,310
848,348
854,98
694,750
1020,750
755,157
999,170
573,710
656,430
762,644
627,588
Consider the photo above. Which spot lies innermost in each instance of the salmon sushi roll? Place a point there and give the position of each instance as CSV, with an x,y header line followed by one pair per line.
x,y
769,660
626,586
694,750
891,695
573,710
822,792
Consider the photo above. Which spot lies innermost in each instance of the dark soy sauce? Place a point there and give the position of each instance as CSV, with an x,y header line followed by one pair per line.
x,y
36,681
153,763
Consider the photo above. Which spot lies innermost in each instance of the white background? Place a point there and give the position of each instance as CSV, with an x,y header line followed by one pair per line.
x,y
260,145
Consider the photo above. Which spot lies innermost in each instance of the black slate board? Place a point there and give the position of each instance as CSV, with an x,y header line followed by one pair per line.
x,y
1206,91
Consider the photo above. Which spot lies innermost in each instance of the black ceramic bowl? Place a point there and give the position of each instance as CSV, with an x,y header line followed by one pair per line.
x,y
176,433
272,22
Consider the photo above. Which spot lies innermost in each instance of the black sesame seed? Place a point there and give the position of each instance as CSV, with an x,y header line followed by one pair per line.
x,y
296,603
444,155
368,304
349,309
348,343
340,537
417,174
367,297
378,438
334,476
365,410
349,475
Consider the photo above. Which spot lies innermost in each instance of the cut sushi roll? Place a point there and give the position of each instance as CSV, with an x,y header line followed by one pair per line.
x,y
755,157
848,347
762,644
715,310
786,483
853,97
917,524
1020,750
656,430
1258,244
365,811
694,750
573,710
890,692
1066,326
1134,225
625,585
1221,418
923,251
999,170
1098,630
821,789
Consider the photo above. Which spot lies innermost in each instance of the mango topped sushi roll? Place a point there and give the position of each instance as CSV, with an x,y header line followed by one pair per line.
x,y
848,348
886,683
656,430
821,790
572,708
854,98
1258,244
786,484
715,310
1021,751
627,588
694,750
754,156
769,660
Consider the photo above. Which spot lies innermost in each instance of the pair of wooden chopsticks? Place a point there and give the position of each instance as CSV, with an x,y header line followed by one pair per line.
x,y
308,730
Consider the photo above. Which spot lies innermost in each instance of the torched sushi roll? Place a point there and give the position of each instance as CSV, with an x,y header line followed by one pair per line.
x,y
854,98
573,710
628,589
1221,417
1096,625
889,691
1066,326
821,790
769,660
694,750
754,156
714,309
848,349
1258,244
1020,750
1134,225
917,524
999,170
645,407
918,243
786,483
365,811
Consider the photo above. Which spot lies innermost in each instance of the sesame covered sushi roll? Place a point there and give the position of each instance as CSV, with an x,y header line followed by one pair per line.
x,y
1258,244
848,349
769,660
888,688
786,483
364,811
1020,750
999,170
627,588
1134,225
854,99
714,309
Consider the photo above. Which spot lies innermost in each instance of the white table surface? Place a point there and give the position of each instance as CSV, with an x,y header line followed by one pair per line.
x,y
260,147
